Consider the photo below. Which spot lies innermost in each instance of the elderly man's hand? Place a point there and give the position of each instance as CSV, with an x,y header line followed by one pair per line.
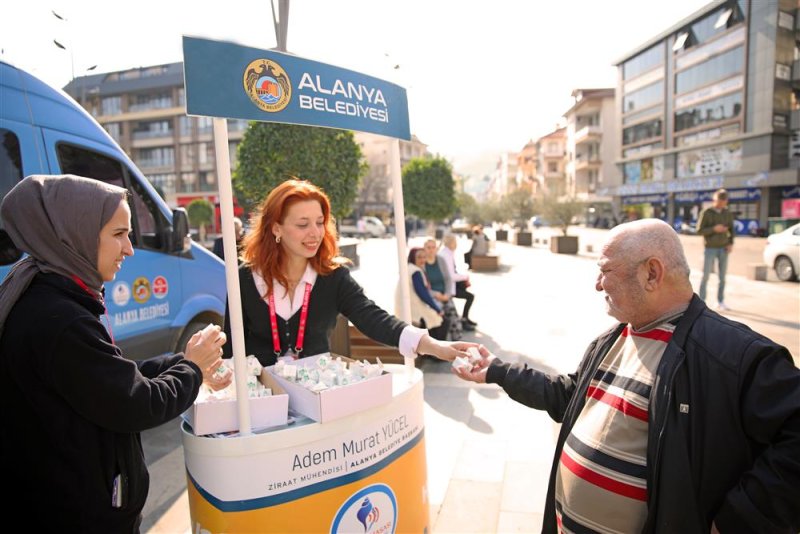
x,y
477,373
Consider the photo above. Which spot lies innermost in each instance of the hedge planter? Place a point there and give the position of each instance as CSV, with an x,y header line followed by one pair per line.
x,y
564,244
524,239
501,235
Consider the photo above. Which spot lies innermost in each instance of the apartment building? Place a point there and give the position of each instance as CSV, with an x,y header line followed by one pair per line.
x,y
712,102
144,111
375,195
527,160
551,152
503,179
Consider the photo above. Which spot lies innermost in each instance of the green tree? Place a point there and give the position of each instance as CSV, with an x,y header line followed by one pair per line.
x,y
272,153
467,206
493,210
428,188
201,213
519,206
561,212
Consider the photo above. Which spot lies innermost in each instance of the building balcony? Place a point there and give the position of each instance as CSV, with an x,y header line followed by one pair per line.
x,y
149,114
588,133
152,142
155,166
796,74
587,162
151,135
794,120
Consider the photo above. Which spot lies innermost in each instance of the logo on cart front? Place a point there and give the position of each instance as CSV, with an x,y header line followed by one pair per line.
x,y
371,510
267,85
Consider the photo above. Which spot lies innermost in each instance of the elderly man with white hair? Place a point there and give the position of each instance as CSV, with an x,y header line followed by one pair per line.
x,y
677,419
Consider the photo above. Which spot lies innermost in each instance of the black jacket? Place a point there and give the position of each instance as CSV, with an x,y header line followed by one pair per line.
x,y
331,295
724,426
73,410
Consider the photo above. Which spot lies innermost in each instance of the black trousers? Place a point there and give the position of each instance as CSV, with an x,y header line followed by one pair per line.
x,y
462,293
440,332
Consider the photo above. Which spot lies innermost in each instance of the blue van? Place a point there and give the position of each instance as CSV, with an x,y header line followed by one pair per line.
x,y
171,287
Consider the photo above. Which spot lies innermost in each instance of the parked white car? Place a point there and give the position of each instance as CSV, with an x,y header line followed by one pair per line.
x,y
365,226
783,253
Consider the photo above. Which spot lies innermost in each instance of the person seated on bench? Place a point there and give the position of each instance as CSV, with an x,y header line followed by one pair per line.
x,y
425,311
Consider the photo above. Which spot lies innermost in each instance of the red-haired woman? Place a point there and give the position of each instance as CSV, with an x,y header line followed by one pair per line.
x,y
293,285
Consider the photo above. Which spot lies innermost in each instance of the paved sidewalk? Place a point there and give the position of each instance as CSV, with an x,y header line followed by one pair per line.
x,y
489,457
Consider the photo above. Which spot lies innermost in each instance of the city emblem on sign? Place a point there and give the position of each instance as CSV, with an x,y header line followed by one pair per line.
x,y
141,290
267,85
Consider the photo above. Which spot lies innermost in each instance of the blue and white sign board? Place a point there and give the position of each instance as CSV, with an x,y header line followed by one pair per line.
x,y
228,80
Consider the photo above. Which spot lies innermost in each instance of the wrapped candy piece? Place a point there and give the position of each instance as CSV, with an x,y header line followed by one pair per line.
x,y
252,382
253,366
323,362
474,355
290,371
327,377
462,363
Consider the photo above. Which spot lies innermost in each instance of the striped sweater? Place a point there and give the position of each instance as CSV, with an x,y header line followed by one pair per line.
x,y
601,481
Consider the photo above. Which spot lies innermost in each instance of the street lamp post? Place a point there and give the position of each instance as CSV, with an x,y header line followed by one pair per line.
x,y
71,50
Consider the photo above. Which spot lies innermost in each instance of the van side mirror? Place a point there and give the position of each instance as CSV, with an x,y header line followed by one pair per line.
x,y
180,240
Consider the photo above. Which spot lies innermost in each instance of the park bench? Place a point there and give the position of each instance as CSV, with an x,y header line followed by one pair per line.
x,y
485,264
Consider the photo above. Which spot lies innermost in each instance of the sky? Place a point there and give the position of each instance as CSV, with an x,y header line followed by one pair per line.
x,y
482,77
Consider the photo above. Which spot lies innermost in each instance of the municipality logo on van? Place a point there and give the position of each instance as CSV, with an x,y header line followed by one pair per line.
x,y
371,510
267,85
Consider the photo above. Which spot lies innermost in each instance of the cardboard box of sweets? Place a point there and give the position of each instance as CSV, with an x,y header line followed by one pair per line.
x,y
212,417
336,402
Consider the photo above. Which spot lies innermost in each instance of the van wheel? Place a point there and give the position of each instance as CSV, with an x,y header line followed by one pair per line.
x,y
191,329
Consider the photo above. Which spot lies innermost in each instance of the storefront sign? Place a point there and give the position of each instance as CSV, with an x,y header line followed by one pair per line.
x,y
710,161
734,195
233,81
790,192
645,199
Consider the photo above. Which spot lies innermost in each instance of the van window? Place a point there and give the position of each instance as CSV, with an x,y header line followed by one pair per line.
x,y
10,175
148,222
89,164
151,223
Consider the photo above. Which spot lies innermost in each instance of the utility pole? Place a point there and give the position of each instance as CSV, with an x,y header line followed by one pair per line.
x,y
281,23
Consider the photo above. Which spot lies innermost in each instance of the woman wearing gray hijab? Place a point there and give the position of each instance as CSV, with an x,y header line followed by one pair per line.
x,y
72,459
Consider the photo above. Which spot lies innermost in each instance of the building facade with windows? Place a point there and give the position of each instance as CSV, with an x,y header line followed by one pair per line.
x,y
592,148
503,179
375,192
592,145
144,110
551,153
712,102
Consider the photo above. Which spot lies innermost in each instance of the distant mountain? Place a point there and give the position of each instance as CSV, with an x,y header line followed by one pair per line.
x,y
477,165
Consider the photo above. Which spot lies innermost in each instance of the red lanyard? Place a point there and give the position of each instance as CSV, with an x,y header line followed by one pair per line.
x,y
301,329
94,294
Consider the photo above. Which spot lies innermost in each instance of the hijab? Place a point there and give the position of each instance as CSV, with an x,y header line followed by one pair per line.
x,y
56,220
